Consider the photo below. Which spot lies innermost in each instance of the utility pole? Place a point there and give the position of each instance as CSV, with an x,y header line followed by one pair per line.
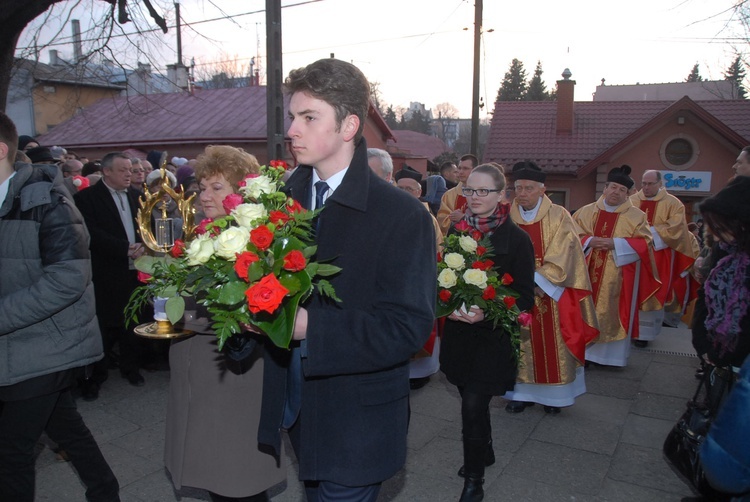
x,y
179,33
475,96
274,95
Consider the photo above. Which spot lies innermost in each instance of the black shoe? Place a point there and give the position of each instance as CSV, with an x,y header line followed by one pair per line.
x,y
641,344
89,389
552,410
517,406
418,383
473,491
489,459
134,378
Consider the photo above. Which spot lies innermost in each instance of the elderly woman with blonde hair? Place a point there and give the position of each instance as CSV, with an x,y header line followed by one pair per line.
x,y
214,402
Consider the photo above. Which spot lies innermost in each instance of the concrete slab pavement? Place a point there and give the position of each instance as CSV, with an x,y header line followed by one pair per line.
x,y
607,447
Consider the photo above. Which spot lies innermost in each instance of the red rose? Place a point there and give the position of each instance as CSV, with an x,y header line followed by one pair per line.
x,y
509,301
482,264
481,250
231,201
294,206
476,235
262,237
201,228
144,277
524,319
178,249
279,163
488,293
294,261
506,279
278,217
265,295
445,295
244,260
462,226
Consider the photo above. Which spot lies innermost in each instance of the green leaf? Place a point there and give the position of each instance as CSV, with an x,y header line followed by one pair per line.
x,y
145,264
292,282
325,288
232,293
255,271
326,270
175,308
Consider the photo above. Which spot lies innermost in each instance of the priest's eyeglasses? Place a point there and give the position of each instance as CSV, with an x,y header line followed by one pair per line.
x,y
479,192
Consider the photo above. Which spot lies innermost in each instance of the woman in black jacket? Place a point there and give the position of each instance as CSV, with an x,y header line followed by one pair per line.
x,y
476,358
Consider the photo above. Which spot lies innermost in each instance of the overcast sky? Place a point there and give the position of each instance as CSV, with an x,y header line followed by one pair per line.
x,y
421,50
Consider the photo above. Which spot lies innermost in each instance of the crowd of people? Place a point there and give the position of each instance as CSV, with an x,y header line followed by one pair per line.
x,y
594,282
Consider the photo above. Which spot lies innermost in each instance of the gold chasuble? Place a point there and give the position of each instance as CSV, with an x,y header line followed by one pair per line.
x,y
618,289
666,214
452,200
560,330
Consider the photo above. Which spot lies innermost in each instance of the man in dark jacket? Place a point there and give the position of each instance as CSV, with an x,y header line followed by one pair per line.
x,y
343,392
48,328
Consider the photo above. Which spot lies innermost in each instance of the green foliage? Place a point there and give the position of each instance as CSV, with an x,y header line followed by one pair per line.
x,y
694,75
537,90
513,86
736,73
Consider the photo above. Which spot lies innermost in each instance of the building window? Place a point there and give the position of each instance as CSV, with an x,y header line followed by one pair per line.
x,y
679,152
49,89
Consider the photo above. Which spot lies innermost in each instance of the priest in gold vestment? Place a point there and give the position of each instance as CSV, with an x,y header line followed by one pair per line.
x,y
618,246
673,252
453,203
564,321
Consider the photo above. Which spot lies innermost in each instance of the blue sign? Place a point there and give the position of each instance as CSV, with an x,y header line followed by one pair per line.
x,y
677,181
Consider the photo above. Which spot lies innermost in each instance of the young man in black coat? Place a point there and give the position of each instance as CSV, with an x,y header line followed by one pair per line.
x,y
342,392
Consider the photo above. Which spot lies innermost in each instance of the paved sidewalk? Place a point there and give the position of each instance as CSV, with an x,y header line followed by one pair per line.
x,y
605,448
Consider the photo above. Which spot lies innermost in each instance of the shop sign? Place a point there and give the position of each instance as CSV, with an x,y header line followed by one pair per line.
x,y
686,181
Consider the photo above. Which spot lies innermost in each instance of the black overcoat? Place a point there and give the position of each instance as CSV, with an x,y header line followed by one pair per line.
x,y
476,356
113,281
353,419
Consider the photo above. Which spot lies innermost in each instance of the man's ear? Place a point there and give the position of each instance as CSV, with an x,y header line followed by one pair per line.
x,y
350,126
4,150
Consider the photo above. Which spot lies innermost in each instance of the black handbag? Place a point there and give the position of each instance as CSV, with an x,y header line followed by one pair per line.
x,y
682,446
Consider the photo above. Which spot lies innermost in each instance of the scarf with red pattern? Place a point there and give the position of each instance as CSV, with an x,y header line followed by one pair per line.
x,y
488,224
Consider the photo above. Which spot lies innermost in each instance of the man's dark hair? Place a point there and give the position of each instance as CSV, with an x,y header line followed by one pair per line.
x,y
9,136
445,166
340,84
472,158
109,159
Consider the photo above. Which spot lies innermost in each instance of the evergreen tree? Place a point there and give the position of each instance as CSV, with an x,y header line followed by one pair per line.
x,y
390,117
417,122
537,90
736,73
513,86
694,75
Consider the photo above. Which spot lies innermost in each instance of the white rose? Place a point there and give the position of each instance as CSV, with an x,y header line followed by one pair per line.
x,y
231,241
258,185
245,214
467,243
200,250
455,261
447,278
476,277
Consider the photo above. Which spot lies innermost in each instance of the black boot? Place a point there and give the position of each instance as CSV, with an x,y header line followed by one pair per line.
x,y
475,451
489,458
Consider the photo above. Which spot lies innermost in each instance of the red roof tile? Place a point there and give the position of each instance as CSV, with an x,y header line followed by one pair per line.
x,y
418,144
207,115
527,130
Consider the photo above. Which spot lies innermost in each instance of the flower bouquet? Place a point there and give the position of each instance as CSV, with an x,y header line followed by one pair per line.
x,y
251,267
466,278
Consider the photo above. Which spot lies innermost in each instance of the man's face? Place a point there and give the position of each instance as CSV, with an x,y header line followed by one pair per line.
x,y
464,170
615,194
317,139
72,168
742,165
410,186
528,193
451,173
118,176
137,176
147,167
649,184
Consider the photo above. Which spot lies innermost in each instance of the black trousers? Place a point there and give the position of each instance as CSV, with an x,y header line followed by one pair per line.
x,y
475,415
22,423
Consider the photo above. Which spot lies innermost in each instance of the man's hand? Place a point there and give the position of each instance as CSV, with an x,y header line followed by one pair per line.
x,y
602,243
300,325
456,216
136,250
539,292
